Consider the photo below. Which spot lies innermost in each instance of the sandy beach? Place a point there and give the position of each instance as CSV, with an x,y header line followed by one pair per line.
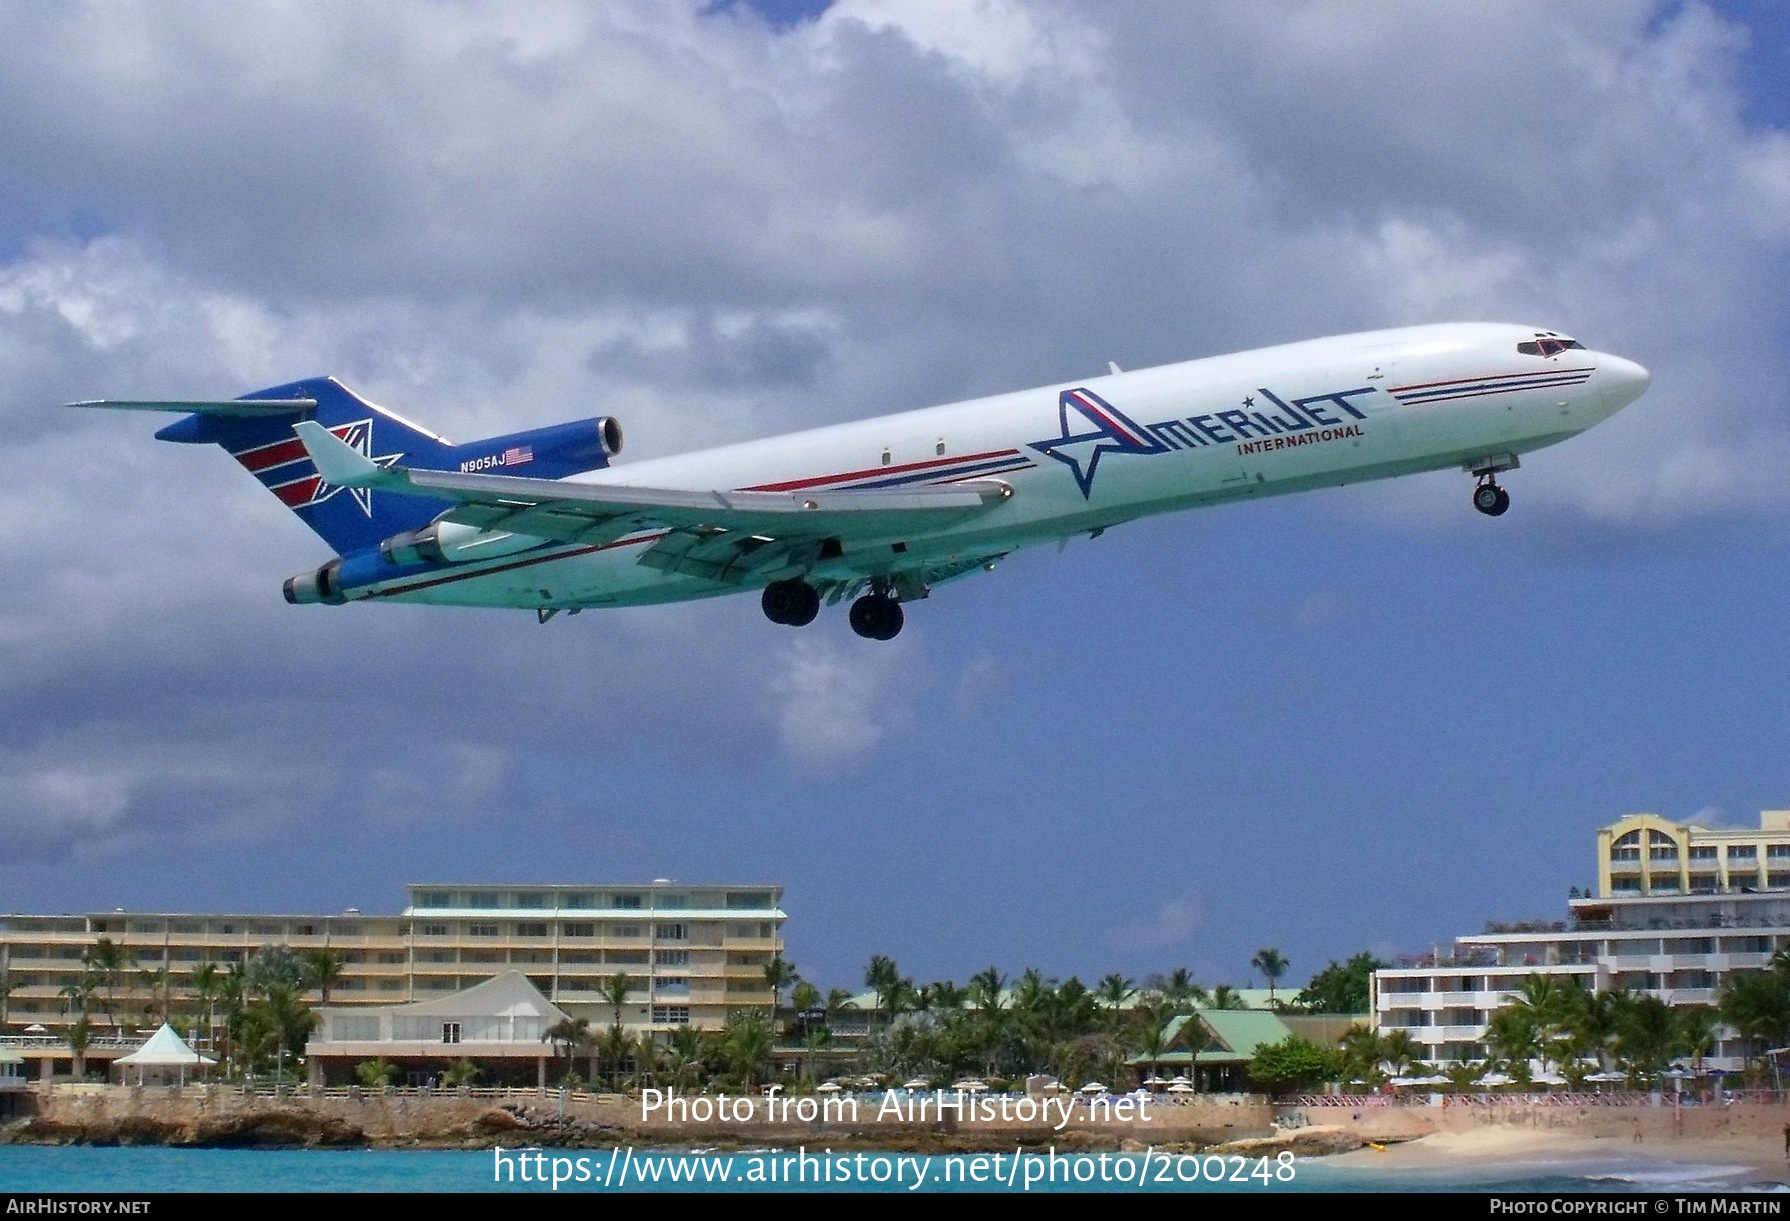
x,y
1740,1157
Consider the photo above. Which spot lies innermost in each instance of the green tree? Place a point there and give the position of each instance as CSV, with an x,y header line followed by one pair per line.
x,y
1292,1064
1757,1005
79,1037
1364,1051
1465,1074
1182,992
1272,964
1514,1041
1646,1038
323,970
883,977
375,1074
746,1042
1225,997
615,995
108,960
1340,987
568,1036
207,986
1114,990
462,1072
779,974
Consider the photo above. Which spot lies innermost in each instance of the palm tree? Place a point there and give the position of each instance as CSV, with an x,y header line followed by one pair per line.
x,y
1757,1005
1181,991
1363,1052
779,974
156,982
323,970
375,1074
746,1039
78,1037
107,959
207,983
1272,964
1225,997
615,993
884,978
685,1054
1515,1041
462,1072
1697,1025
986,988
569,1034
1114,990
614,1045
1465,1074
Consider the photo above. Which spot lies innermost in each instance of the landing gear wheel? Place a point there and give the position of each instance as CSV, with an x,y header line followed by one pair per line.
x,y
792,603
877,617
1491,499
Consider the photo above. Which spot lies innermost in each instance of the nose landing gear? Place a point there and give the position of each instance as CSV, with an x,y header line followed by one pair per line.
x,y
1489,498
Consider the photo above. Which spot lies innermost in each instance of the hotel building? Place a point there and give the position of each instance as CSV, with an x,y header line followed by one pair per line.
x,y
1679,907
691,953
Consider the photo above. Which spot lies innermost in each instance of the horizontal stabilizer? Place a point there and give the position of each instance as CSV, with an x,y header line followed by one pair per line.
x,y
339,463
246,408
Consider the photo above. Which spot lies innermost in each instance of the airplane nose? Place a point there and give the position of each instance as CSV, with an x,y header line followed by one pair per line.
x,y
1620,381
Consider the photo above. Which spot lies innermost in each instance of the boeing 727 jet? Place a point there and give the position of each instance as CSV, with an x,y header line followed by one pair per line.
x,y
884,510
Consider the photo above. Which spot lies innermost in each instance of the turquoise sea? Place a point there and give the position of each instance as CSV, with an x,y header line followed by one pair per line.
x,y
84,1169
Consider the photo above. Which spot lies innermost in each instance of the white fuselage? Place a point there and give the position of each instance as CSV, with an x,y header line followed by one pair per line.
x,y
1275,420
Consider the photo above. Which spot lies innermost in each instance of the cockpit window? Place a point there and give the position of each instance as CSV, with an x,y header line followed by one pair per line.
x,y
1548,345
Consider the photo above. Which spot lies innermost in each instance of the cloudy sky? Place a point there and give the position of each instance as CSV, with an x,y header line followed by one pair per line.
x,y
1361,718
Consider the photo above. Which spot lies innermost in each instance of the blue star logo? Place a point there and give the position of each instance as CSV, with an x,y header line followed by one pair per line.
x,y
1090,427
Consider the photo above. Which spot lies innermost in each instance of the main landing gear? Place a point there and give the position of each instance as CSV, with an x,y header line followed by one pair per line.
x,y
1489,498
793,603
877,616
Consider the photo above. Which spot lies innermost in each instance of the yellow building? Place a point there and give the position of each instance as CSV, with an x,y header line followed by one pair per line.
x,y
1645,854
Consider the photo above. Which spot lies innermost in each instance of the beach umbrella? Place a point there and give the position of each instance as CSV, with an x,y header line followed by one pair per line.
x,y
1180,1087
918,1083
1093,1087
970,1085
36,1028
1496,1079
1178,1079
829,1087
1606,1075
1153,1079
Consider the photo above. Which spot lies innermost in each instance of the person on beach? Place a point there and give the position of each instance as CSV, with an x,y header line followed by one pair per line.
x,y
1787,1141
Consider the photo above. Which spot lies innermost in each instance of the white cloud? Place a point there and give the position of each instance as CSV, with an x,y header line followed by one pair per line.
x,y
835,702
492,217
1172,923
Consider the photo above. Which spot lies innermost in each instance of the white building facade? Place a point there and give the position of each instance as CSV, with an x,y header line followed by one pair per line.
x,y
1681,908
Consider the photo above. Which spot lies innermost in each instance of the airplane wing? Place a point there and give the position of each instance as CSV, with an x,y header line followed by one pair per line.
x,y
720,534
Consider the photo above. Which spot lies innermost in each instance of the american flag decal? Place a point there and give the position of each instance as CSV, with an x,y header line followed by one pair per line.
x,y
515,455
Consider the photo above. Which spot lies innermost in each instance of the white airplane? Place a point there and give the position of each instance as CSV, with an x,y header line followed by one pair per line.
x,y
883,510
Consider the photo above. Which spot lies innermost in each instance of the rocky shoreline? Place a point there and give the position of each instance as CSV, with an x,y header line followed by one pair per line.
x,y
199,1120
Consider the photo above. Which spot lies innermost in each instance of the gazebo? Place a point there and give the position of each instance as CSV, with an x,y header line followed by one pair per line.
x,y
164,1051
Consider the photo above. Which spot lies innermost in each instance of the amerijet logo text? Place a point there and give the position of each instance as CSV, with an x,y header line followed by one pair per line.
x,y
1092,427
